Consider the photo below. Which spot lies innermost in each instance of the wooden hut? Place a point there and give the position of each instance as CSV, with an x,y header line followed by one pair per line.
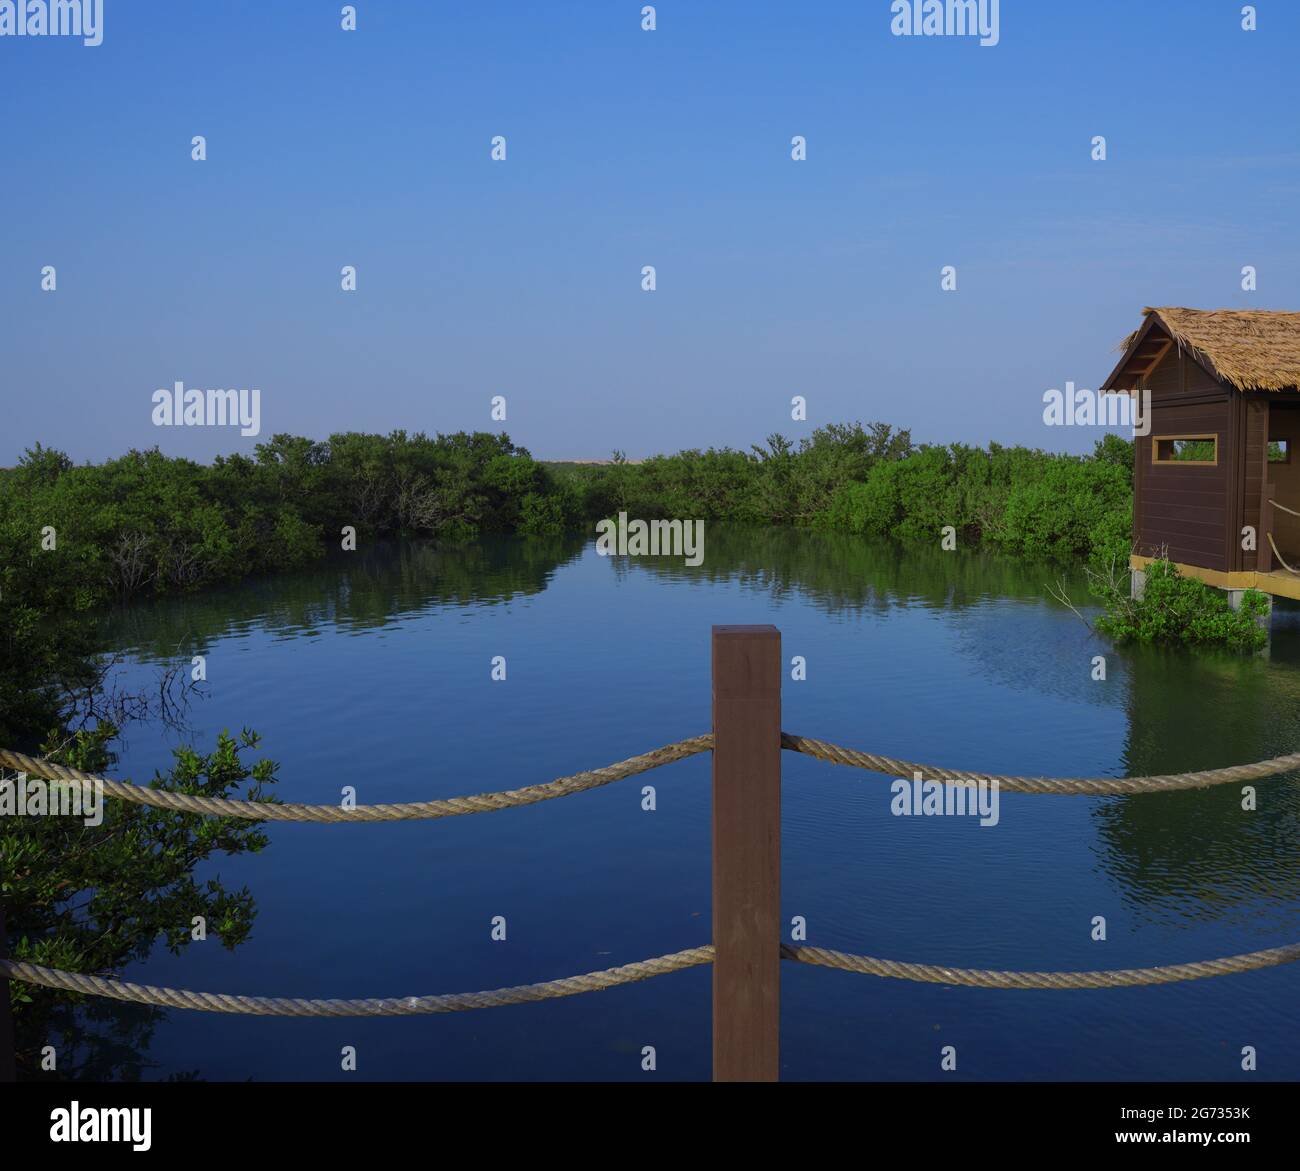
x,y
1216,478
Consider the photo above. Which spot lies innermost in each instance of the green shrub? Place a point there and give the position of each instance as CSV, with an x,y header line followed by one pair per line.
x,y
1069,508
1029,503
296,542
542,514
1180,611
872,507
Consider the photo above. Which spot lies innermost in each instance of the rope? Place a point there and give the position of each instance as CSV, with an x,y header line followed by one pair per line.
x,y
409,811
630,974
1279,555
1053,981
1068,786
1283,507
595,778
388,1006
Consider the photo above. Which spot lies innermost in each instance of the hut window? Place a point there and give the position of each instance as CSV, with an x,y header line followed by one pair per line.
x,y
1185,449
1279,451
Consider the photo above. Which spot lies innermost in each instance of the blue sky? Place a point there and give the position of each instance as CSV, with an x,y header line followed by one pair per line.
x,y
625,148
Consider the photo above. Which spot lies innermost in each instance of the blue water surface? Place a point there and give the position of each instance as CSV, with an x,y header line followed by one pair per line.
x,y
375,671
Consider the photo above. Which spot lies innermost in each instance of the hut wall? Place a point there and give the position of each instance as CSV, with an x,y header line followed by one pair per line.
x,y
1186,509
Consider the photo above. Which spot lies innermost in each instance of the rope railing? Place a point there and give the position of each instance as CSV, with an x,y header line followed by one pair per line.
x,y
1061,786
633,766
1047,981
630,974
1278,555
384,1006
407,811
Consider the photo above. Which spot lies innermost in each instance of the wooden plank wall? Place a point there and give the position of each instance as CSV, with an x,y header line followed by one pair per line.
x,y
1255,424
1190,511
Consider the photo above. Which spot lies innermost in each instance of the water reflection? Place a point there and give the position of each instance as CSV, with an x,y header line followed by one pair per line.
x,y
1166,850
366,590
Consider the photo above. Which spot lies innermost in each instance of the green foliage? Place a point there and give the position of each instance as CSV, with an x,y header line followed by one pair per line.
x,y
540,513
1030,503
1180,611
780,482
47,641
1114,449
95,898
1193,450
1071,508
294,541
151,523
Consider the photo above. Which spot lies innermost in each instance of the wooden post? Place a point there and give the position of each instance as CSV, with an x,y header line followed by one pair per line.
x,y
746,852
8,1073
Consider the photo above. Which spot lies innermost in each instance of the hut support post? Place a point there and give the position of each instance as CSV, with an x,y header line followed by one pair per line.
x,y
746,852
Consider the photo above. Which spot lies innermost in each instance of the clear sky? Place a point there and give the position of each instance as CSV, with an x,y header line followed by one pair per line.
x,y
625,148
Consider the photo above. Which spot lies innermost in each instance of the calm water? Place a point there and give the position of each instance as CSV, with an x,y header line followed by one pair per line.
x,y
374,671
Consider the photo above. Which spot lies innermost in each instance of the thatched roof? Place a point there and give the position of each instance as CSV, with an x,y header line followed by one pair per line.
x,y
1251,349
